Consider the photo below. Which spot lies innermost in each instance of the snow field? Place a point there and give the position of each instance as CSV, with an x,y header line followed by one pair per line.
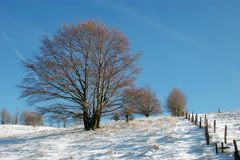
x,y
159,137
231,120
8,131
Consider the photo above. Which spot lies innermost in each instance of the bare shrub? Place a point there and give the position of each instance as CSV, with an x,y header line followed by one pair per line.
x,y
32,118
176,102
116,116
141,101
16,118
5,116
127,113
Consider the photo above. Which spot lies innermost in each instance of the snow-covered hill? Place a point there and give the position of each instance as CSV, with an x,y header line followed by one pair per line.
x,y
8,131
159,137
229,119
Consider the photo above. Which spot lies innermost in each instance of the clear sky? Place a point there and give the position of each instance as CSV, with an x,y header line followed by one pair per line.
x,y
190,44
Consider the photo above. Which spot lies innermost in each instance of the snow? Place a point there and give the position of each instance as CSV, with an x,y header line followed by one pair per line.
x,y
231,120
159,137
7,131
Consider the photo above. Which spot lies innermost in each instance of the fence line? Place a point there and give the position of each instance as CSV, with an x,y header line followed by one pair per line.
x,y
197,119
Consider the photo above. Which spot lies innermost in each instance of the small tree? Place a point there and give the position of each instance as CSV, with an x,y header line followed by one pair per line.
x,y
5,116
15,118
116,116
127,113
32,118
176,102
142,101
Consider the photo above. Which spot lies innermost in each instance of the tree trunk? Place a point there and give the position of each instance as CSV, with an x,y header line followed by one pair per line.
x,y
3,119
95,119
127,118
98,121
64,123
147,114
90,123
86,121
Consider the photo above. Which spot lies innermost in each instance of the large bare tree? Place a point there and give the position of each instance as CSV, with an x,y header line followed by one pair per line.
x,y
142,101
176,102
81,72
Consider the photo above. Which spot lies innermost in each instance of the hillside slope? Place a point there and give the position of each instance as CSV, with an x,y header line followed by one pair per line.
x,y
144,138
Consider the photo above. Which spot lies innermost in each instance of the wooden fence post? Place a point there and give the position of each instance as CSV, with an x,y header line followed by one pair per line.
x,y
192,117
200,122
196,119
214,126
219,111
222,146
207,134
216,147
225,135
236,154
186,115
205,118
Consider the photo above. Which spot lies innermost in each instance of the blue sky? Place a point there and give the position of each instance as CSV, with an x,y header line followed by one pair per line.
x,y
190,44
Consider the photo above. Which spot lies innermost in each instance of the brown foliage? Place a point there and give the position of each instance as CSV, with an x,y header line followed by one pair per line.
x,y
127,112
5,116
176,102
141,101
82,71
32,118
116,116
16,118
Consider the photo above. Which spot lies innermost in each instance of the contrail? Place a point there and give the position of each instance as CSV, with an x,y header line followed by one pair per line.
x,y
5,36
20,56
149,20
17,52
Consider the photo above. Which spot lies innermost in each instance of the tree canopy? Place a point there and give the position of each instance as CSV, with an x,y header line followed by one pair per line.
x,y
176,102
141,101
81,72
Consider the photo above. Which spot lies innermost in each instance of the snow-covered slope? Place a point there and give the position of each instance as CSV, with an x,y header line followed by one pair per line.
x,y
8,131
144,138
229,119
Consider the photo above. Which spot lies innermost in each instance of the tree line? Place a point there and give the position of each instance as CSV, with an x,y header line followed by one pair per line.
x,y
137,101
86,71
25,118
144,101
